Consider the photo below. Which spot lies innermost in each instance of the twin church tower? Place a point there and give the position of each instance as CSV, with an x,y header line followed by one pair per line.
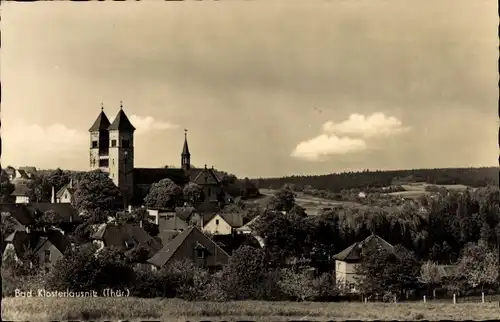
x,y
112,150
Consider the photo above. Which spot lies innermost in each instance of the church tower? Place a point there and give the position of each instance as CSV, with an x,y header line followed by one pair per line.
x,y
99,143
185,156
121,154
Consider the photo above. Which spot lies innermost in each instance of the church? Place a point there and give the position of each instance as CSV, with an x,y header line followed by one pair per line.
x,y
112,151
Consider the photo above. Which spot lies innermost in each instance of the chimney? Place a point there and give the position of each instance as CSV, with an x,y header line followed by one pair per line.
x,y
71,183
53,198
129,208
140,223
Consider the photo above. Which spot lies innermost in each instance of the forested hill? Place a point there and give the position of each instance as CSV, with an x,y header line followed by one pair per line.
x,y
474,177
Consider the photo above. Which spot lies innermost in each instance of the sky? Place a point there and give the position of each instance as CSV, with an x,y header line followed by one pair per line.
x,y
265,88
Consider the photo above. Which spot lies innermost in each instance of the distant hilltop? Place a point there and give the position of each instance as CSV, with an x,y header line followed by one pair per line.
x,y
472,177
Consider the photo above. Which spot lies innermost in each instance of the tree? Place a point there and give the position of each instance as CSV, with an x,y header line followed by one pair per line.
x,y
245,274
430,276
193,193
164,194
6,188
96,192
248,189
382,272
297,285
478,265
283,200
49,217
286,236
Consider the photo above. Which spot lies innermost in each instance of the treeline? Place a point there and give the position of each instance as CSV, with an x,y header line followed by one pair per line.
x,y
474,177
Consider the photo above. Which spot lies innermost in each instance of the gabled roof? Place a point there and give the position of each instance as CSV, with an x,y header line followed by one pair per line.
x,y
101,123
69,187
23,241
27,169
205,176
193,237
118,235
353,252
121,123
207,207
234,220
185,213
20,190
19,212
247,228
64,211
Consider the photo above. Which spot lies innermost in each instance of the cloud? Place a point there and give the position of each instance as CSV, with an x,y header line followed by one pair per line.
x,y
375,125
330,142
316,149
27,144
148,123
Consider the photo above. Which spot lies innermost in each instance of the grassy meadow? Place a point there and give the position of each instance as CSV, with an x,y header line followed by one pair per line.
x,y
135,309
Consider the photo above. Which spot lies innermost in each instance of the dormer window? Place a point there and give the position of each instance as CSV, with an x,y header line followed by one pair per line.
x,y
94,144
47,256
113,143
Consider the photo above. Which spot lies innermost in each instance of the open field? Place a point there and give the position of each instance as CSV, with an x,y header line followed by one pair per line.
x,y
417,189
133,309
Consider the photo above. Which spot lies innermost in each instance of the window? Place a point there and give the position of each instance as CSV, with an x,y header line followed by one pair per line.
x,y
47,256
113,161
125,144
104,163
94,144
216,221
113,143
200,253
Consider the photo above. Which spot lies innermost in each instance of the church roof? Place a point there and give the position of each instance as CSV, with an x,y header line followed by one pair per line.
x,y
101,123
121,123
148,176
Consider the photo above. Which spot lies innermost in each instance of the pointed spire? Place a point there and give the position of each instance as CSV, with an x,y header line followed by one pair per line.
x,y
102,107
101,123
185,149
121,122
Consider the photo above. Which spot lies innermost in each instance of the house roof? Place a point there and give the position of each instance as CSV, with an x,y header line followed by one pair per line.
x,y
20,190
118,235
121,123
191,236
207,207
101,123
68,187
353,252
146,176
19,212
205,176
248,226
185,213
235,220
64,211
28,169
23,241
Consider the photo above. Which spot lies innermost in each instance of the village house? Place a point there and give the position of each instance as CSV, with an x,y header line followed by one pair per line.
x,y
124,236
191,244
46,247
65,194
347,260
223,224
21,193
